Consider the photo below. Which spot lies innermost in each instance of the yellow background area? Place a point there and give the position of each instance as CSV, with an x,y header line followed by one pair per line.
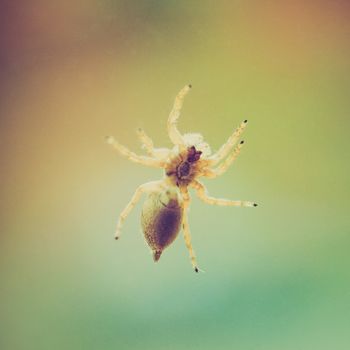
x,y
72,72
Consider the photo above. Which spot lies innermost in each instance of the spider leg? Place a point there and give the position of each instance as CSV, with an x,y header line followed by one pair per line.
x,y
148,161
174,134
220,169
147,187
186,228
146,141
201,192
228,145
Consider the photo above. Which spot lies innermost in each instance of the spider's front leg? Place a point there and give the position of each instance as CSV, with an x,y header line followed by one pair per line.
x,y
228,145
147,143
145,188
186,228
202,194
174,134
220,169
148,161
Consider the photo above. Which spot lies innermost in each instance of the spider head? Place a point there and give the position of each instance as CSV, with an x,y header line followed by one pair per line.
x,y
197,147
193,155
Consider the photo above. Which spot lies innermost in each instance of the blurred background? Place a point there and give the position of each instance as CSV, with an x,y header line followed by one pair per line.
x,y
277,277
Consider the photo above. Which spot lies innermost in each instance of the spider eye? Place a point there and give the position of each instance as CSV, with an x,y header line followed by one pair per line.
x,y
193,155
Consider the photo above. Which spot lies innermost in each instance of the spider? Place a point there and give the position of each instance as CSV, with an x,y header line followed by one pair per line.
x,y
165,210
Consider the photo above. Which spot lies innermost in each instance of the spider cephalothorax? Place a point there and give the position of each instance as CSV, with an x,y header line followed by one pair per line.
x,y
165,210
182,168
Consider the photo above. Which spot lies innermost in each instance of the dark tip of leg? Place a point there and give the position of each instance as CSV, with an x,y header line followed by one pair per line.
x,y
246,121
242,142
116,238
156,255
196,269
190,86
255,204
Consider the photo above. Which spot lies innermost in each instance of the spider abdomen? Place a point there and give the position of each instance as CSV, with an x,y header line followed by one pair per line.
x,y
161,220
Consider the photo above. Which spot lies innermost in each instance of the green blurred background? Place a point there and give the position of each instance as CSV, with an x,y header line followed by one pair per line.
x,y
277,277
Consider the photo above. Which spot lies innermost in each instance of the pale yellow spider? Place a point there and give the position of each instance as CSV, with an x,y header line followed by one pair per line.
x,y
166,208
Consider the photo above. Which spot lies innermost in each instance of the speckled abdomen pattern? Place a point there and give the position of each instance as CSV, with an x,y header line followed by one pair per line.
x,y
160,222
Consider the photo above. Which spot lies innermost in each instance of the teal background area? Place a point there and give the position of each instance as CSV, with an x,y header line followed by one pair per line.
x,y
276,276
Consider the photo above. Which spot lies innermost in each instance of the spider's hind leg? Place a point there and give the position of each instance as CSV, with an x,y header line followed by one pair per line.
x,y
186,229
